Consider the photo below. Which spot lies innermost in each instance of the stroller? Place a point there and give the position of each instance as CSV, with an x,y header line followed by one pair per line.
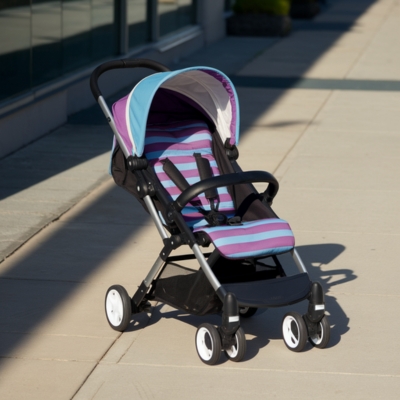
x,y
175,138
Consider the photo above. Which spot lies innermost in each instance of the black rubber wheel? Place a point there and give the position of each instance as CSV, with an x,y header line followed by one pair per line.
x,y
208,344
118,308
294,331
321,338
237,351
247,312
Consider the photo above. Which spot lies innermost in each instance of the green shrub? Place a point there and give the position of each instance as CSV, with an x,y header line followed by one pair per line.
x,y
273,7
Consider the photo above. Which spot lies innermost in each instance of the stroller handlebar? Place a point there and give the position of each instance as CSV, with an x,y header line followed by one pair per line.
x,y
123,63
228,180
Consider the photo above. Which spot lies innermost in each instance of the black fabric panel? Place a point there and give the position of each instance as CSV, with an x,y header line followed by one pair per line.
x,y
205,172
271,292
191,293
174,174
126,179
122,176
245,197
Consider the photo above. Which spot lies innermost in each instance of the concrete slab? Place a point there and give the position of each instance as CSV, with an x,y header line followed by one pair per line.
x,y
41,379
360,111
220,382
291,110
338,211
379,61
267,356
264,149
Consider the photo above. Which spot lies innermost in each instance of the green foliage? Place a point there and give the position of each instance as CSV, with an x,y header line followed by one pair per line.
x,y
273,7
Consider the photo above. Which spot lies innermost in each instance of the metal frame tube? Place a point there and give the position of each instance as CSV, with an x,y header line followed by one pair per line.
x,y
153,212
207,269
104,107
298,261
153,271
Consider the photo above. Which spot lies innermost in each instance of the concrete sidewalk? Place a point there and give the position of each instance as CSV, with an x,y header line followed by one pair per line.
x,y
310,115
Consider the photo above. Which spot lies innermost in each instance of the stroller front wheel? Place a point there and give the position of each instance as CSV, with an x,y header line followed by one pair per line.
x,y
118,308
294,331
208,344
238,350
321,338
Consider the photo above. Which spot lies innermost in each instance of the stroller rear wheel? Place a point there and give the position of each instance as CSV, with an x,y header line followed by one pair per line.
x,y
238,350
118,307
323,334
294,331
208,344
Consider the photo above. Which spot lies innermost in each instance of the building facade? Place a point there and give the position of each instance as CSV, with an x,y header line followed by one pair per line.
x,y
48,49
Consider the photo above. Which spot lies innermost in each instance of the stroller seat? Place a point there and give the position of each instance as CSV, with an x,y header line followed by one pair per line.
x,y
179,142
265,237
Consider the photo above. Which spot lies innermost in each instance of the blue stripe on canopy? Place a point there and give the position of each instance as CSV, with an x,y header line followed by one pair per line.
x,y
141,97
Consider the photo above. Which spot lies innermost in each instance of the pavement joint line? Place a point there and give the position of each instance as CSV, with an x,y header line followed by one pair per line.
x,y
285,371
310,122
371,39
98,361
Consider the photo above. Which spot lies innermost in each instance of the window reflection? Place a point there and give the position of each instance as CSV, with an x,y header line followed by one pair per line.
x,y
175,14
102,28
137,22
41,40
15,34
75,33
46,36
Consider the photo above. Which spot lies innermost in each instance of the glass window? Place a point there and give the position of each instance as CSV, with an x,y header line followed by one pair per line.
x,y
175,14
103,29
138,26
76,40
41,40
46,40
15,26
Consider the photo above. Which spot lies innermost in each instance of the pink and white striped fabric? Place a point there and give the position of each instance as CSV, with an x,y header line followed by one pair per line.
x,y
178,142
259,238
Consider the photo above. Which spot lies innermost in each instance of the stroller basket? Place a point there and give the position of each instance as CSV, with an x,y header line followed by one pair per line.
x,y
175,150
186,289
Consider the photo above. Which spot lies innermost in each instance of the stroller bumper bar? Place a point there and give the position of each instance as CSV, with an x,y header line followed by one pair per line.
x,y
227,180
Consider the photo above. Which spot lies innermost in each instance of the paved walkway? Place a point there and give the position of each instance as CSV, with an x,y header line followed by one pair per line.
x,y
319,109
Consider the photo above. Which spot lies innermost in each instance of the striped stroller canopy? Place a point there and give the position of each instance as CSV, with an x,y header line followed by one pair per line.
x,y
210,90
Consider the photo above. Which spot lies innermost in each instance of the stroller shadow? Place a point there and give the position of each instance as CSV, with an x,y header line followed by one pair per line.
x,y
265,325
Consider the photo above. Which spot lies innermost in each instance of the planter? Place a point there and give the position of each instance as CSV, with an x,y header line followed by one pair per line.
x,y
258,25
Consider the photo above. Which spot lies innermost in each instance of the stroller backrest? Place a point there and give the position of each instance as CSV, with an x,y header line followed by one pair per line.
x,y
178,142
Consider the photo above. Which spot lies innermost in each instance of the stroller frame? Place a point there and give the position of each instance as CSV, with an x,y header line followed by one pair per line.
x,y
236,297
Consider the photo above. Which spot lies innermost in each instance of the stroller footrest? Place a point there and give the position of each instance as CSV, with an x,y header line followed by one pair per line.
x,y
272,292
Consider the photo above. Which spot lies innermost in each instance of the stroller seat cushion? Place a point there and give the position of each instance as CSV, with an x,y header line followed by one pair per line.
x,y
178,141
259,238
